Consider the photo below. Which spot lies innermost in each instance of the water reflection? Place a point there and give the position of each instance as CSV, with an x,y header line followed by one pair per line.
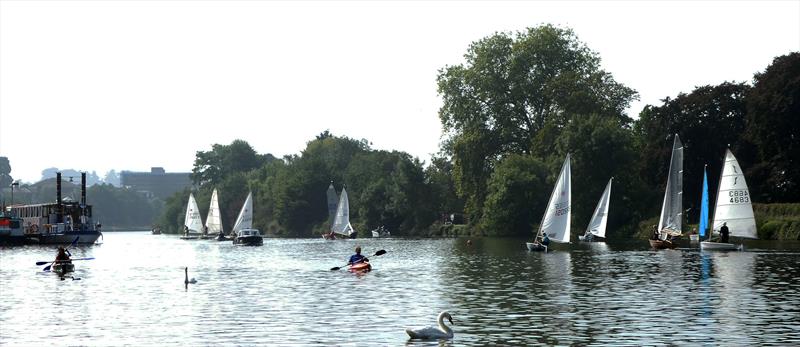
x,y
498,293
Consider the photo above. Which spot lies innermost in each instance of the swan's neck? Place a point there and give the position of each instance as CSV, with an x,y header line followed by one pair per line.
x,y
443,327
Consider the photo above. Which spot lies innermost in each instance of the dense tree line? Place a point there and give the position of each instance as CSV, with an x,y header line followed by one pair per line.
x,y
511,113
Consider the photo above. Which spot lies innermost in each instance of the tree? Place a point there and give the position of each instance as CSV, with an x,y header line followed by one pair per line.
x,y
509,89
707,120
773,116
223,160
5,173
517,196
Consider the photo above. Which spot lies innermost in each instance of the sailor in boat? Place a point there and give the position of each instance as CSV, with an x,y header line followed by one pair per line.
x,y
357,258
724,232
656,235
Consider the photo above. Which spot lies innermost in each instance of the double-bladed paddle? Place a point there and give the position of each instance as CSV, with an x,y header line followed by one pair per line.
x,y
73,243
50,261
378,253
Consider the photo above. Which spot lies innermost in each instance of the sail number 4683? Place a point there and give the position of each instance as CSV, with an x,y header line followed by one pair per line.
x,y
738,196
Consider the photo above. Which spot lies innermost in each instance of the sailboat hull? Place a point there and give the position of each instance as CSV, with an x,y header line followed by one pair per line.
x,y
536,247
591,239
719,246
662,244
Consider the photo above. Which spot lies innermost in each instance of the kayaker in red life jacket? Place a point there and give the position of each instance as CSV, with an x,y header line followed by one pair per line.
x,y
357,258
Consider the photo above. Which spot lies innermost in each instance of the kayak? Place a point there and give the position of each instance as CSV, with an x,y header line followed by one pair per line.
x,y
360,267
63,267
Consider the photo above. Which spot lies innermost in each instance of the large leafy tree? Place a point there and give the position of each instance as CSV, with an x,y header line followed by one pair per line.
x,y
773,115
509,89
212,167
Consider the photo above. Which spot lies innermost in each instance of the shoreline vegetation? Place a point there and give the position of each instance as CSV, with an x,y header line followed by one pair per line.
x,y
516,106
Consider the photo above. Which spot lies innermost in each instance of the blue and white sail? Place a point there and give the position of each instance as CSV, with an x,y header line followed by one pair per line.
x,y
704,206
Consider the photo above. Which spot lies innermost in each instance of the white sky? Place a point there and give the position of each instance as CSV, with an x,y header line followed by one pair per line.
x,y
127,85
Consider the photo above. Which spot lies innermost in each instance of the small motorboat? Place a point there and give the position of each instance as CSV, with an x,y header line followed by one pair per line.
x,y
248,237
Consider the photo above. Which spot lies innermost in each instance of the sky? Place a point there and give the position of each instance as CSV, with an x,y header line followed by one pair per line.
x,y
129,85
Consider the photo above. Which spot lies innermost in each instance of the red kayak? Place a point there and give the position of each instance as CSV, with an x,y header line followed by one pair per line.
x,y
360,267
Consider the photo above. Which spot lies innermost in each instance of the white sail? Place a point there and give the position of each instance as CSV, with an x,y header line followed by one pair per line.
x,y
556,220
734,205
193,220
672,208
341,222
214,220
245,219
597,226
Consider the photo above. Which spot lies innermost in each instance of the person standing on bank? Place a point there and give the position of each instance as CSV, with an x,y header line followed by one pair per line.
x,y
724,232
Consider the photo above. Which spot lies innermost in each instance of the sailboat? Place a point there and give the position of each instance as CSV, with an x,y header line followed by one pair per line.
x,y
703,224
243,229
192,223
341,221
597,225
214,220
670,222
556,219
733,208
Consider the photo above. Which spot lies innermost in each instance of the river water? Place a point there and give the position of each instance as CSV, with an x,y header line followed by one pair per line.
x,y
284,293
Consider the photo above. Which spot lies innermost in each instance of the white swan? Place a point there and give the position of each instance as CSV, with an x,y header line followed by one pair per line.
x,y
430,333
187,280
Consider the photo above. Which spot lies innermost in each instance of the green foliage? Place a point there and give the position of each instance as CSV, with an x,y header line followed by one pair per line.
x,y
5,173
518,193
511,88
211,167
773,116
707,120
122,208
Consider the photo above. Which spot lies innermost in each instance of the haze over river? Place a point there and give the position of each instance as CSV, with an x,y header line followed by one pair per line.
x,y
284,293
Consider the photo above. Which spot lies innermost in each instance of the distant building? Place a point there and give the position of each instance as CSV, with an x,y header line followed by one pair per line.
x,y
157,182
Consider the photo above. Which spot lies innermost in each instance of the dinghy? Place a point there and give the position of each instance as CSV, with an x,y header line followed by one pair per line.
x,y
733,208
341,221
213,220
596,231
556,219
192,223
670,222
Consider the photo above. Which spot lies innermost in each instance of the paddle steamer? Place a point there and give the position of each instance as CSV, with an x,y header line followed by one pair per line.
x,y
56,223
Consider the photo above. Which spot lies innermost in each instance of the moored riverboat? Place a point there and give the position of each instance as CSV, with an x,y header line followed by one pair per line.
x,y
60,222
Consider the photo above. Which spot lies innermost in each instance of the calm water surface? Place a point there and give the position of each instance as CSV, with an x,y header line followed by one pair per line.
x,y
498,293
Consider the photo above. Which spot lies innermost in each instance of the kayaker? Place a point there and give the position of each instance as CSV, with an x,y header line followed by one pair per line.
x,y
357,258
62,256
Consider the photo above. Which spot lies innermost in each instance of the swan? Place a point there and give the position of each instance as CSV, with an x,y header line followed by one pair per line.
x,y
431,333
187,280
